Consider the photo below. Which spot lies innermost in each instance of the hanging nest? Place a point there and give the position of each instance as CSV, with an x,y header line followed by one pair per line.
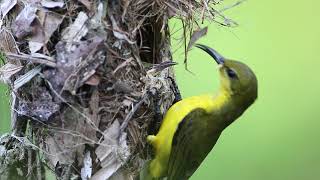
x,y
89,81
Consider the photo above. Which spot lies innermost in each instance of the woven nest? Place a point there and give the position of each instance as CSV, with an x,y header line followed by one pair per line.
x,y
89,81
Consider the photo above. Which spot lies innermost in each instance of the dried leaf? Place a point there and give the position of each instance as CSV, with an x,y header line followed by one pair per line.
x,y
90,61
37,40
76,67
22,80
52,4
47,23
111,153
94,112
35,46
96,20
86,170
7,71
8,43
196,35
67,144
94,80
21,27
51,24
6,6
76,30
87,4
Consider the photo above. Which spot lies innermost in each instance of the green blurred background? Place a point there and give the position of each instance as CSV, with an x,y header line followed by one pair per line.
x,y
4,110
278,137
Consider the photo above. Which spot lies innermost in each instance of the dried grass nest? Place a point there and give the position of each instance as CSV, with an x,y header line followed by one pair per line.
x,y
84,78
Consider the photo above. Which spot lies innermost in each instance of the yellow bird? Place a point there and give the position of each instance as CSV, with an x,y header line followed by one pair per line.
x,y
192,126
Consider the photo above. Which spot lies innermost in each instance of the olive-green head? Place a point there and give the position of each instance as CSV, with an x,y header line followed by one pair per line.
x,y
236,77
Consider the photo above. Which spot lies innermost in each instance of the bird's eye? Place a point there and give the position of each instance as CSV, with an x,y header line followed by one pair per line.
x,y
231,73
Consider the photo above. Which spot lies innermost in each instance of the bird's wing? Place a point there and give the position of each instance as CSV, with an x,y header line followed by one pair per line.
x,y
191,143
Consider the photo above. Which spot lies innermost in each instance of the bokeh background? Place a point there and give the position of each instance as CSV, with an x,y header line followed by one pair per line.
x,y
4,109
278,137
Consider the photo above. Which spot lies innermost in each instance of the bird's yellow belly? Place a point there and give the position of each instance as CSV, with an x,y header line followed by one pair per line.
x,y
163,140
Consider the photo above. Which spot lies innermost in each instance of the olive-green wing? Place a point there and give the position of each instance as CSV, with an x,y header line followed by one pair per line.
x,y
191,143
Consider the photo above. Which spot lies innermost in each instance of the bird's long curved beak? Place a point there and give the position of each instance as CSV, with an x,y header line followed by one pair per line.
x,y
213,53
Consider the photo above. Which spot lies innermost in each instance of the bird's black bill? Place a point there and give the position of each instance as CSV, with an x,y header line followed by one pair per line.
x,y
213,53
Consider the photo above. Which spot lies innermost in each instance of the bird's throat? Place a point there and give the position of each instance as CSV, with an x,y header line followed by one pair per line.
x,y
226,106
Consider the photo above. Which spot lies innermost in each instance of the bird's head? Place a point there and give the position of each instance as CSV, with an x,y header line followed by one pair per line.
x,y
236,77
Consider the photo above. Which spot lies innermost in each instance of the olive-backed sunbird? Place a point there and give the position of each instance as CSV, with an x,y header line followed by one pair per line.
x,y
192,126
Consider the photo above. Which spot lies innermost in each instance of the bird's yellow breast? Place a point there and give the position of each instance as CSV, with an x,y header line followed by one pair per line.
x,y
163,140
